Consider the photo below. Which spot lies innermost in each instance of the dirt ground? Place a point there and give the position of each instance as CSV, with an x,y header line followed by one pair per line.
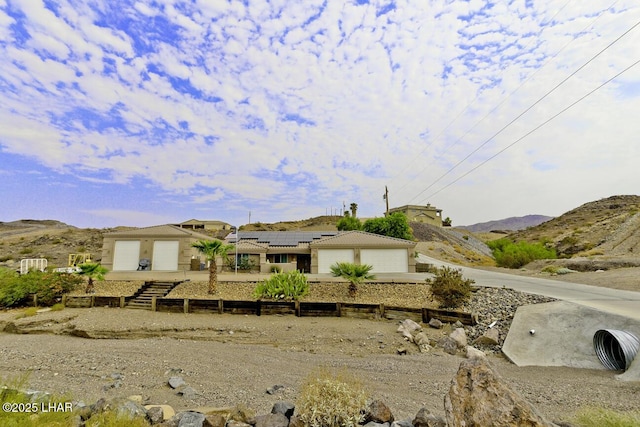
x,y
231,359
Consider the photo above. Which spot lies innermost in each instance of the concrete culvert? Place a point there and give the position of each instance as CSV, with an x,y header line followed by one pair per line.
x,y
616,349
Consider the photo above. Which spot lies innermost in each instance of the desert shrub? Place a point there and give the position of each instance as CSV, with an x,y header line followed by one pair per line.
x,y
57,307
17,290
331,400
10,393
394,225
26,251
600,417
244,263
289,285
515,255
449,287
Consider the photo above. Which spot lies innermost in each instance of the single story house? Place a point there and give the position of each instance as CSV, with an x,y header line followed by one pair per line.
x,y
314,252
161,248
427,214
168,248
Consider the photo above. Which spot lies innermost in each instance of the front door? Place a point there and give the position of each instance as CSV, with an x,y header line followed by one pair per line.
x,y
304,263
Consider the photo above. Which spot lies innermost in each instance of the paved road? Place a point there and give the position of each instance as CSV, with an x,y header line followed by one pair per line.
x,y
624,303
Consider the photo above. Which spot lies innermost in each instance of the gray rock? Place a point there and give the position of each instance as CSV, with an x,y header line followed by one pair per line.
x,y
375,424
234,423
449,345
460,337
490,337
435,323
474,352
422,341
155,414
424,418
190,419
176,382
378,412
284,408
272,420
275,389
188,393
407,328
402,423
458,324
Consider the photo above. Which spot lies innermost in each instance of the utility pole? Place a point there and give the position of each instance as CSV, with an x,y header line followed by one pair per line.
x,y
249,217
386,198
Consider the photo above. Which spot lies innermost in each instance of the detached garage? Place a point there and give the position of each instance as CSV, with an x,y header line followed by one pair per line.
x,y
160,248
385,254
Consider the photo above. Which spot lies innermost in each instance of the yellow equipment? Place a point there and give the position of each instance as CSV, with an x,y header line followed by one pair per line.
x,y
77,259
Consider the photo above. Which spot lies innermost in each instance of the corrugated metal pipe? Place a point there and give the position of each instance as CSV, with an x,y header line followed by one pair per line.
x,y
616,349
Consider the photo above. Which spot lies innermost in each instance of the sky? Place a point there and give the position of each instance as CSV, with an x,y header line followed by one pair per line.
x,y
152,112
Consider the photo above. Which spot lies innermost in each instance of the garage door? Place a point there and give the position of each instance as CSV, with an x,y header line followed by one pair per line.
x,y
386,260
328,257
126,255
165,255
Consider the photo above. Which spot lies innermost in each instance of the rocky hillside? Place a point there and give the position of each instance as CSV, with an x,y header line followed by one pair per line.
x,y
608,227
513,223
319,223
49,239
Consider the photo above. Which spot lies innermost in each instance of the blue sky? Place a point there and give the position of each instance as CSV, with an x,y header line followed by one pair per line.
x,y
151,112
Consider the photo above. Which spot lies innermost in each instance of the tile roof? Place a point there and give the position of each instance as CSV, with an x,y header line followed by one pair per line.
x,y
284,238
362,238
158,231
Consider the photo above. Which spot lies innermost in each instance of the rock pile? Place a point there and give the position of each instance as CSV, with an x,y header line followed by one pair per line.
x,y
477,396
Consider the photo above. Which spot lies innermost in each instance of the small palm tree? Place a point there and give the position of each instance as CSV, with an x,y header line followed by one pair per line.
x,y
354,273
211,249
92,270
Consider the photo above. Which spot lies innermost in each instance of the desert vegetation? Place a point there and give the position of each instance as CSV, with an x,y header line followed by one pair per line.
x,y
47,288
291,285
356,274
449,287
510,254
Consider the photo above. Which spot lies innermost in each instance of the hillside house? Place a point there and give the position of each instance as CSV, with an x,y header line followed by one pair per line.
x,y
416,213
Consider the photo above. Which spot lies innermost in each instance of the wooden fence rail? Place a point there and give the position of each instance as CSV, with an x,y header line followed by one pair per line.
x,y
296,308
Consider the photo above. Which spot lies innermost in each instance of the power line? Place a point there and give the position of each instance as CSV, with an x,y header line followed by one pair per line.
x,y
527,109
536,128
469,105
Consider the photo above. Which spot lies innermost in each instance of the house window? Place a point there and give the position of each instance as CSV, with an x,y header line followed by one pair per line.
x,y
242,257
279,258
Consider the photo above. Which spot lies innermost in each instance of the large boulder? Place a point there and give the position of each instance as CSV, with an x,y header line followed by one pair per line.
x,y
478,396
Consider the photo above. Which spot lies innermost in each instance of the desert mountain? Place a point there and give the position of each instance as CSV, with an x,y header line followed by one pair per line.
x,y
513,223
609,226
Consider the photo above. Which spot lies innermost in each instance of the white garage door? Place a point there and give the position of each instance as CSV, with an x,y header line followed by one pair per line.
x,y
328,257
386,260
126,255
165,255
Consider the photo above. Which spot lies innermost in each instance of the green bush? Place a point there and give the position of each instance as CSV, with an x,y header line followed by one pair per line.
x,y
17,290
348,223
394,225
289,285
600,417
515,255
354,273
331,400
449,287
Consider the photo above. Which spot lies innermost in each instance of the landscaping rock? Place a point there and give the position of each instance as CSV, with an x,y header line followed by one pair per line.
x,y
272,420
490,337
460,337
422,341
402,423
188,419
166,411
275,389
407,328
284,408
378,412
375,424
474,352
215,420
295,421
449,345
478,396
435,323
424,418
176,382
234,423
155,415
188,393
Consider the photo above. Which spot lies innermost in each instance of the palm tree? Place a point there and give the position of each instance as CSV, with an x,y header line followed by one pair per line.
x,y
354,273
354,209
92,270
211,249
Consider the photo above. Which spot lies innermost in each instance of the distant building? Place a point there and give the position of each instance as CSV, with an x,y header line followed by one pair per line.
x,y
416,213
197,224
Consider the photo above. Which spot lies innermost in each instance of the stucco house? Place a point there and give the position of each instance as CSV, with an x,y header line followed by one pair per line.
x,y
168,248
315,252
161,248
427,214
